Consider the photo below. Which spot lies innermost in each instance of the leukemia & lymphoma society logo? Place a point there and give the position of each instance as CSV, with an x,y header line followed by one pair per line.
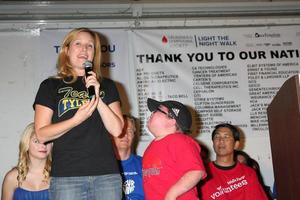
x,y
177,40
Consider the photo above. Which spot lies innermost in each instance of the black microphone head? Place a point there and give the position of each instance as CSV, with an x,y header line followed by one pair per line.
x,y
87,64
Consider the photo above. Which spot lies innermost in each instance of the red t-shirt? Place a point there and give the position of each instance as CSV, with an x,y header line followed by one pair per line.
x,y
165,161
237,183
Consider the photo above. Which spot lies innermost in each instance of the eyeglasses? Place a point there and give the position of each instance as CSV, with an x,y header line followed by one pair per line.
x,y
225,138
164,112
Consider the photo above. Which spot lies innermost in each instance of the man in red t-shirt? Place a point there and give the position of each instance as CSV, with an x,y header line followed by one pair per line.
x,y
227,179
172,165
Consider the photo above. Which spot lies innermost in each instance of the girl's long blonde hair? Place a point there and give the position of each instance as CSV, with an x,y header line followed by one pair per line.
x,y
64,67
24,160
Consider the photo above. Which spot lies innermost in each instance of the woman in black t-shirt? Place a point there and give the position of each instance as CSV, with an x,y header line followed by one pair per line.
x,y
84,165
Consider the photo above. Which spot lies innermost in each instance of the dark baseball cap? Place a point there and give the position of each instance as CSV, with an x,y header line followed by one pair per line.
x,y
177,110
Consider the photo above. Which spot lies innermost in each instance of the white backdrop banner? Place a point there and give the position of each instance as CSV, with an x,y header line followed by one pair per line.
x,y
223,74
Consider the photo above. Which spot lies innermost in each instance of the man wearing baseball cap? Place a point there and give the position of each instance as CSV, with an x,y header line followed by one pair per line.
x,y
172,165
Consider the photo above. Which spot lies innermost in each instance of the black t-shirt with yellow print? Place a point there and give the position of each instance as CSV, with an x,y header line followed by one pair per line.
x,y
85,150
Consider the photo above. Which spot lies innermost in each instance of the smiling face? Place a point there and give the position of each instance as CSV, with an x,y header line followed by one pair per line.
x,y
224,143
38,150
81,49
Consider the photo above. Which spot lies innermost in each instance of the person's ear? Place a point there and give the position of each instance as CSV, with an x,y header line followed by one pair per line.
x,y
236,145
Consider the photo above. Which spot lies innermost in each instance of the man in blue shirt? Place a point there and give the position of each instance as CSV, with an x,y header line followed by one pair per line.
x,y
130,164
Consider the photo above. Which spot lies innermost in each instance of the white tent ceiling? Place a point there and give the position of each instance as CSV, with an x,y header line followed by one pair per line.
x,y
147,13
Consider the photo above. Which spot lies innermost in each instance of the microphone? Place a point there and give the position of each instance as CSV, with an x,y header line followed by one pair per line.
x,y
88,66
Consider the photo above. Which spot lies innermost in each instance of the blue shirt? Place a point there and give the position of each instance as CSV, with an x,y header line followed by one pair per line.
x,y
22,194
131,171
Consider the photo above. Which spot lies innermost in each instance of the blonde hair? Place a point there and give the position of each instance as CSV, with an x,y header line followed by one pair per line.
x,y
24,160
64,67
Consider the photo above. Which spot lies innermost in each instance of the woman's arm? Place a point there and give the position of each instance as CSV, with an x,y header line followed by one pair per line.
x,y
112,117
111,114
46,131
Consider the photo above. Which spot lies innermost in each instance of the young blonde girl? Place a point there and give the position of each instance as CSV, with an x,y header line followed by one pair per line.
x,y
30,178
